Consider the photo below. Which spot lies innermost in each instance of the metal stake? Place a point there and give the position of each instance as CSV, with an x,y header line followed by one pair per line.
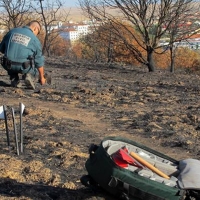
x,y
21,128
6,124
15,131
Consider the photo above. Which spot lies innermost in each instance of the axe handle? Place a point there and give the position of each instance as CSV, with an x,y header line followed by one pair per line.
x,y
148,165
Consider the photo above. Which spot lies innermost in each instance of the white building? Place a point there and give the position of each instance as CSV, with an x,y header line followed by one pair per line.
x,y
70,34
73,32
189,43
54,26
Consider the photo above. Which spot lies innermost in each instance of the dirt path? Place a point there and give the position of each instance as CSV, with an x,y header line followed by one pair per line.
x,y
90,122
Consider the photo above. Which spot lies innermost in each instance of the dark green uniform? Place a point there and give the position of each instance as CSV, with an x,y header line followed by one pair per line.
x,y
18,45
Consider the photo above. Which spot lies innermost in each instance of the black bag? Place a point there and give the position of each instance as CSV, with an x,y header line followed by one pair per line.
x,y
133,180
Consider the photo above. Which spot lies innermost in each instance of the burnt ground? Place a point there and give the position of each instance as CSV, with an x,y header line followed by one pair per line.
x,y
84,104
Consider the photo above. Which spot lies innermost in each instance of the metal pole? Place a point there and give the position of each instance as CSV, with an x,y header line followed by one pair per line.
x,y
21,129
6,124
15,131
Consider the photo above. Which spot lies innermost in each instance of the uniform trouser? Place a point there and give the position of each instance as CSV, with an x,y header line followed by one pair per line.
x,y
15,70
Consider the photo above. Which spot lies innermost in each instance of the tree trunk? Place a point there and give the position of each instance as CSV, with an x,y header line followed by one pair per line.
x,y
150,60
110,53
171,60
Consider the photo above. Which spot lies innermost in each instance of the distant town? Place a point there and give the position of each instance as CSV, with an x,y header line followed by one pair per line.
x,y
78,26
73,31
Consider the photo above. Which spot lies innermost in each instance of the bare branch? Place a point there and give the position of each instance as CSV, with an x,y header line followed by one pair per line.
x,y
14,13
142,15
51,14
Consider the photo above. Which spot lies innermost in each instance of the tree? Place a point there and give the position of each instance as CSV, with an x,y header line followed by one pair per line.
x,y
96,46
180,30
102,45
51,15
14,13
143,15
58,45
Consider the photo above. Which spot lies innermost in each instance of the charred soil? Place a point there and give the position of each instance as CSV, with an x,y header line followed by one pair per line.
x,y
84,104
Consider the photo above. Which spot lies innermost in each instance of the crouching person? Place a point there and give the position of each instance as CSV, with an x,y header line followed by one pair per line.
x,y
23,55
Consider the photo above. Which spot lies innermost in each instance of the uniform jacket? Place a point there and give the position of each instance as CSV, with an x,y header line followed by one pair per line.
x,y
20,43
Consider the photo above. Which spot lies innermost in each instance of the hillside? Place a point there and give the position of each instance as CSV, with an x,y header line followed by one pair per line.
x,y
85,103
75,14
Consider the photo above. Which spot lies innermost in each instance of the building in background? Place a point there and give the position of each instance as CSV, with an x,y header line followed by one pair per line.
x,y
192,42
53,26
74,31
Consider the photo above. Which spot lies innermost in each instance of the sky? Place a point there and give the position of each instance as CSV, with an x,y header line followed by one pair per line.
x,y
71,3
